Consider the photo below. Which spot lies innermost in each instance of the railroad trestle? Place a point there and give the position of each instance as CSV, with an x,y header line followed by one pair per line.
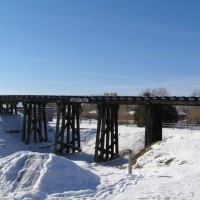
x,y
67,133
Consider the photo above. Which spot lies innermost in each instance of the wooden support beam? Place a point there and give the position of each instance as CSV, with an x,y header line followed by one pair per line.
x,y
40,121
153,129
34,121
24,122
77,113
73,129
98,134
62,132
103,128
67,136
29,130
107,132
1,108
15,106
34,114
57,128
44,122
9,108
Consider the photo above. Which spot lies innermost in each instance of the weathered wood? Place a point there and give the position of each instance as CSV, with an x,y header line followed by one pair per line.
x,y
116,135
40,121
107,132
29,124
68,127
73,129
34,120
153,129
108,124
15,106
96,156
62,132
24,122
35,114
103,128
65,145
68,135
57,128
126,100
7,107
44,122
78,125
113,116
1,108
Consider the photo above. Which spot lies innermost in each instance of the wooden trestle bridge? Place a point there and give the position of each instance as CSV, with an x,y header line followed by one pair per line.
x,y
67,134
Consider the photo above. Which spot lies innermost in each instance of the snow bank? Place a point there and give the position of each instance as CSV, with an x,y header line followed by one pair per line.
x,y
168,170
36,175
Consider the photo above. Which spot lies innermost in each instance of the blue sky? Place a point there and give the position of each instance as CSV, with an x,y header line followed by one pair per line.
x,y
88,47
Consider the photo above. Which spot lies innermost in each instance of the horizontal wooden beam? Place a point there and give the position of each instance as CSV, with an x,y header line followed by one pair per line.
x,y
129,100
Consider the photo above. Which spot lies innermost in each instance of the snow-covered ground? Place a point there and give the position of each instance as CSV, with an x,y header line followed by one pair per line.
x,y
167,170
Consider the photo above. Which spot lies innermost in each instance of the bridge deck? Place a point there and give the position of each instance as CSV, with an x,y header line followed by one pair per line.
x,y
134,100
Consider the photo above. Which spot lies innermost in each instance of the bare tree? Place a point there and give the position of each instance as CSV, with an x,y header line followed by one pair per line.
x,y
160,92
144,92
196,93
194,113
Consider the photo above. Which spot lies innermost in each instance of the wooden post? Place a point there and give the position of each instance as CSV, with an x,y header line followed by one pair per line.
x,y
40,121
68,119
78,125
103,127
107,132
113,116
73,125
153,130
108,129
34,121
11,108
1,108
24,122
57,128
29,124
44,122
62,132
16,108
116,135
36,114
98,134
68,135
7,107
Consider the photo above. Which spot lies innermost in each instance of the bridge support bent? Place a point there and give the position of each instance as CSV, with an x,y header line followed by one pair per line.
x,y
107,132
8,108
153,129
34,115
67,136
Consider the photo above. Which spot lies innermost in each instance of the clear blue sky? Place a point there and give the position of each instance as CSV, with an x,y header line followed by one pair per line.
x,y
86,47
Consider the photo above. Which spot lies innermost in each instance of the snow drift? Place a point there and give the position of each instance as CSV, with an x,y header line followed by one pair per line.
x,y
42,174
169,169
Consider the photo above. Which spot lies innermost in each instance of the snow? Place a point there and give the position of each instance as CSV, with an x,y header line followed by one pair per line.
x,y
167,170
42,174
